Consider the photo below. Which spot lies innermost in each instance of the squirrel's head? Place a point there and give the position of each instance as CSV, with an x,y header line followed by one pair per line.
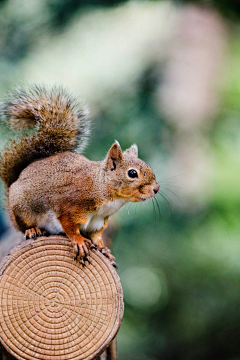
x,y
131,178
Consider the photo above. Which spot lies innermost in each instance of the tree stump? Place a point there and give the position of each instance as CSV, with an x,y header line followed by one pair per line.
x,y
51,307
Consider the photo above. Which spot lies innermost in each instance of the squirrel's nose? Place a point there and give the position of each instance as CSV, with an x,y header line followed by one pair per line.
x,y
156,188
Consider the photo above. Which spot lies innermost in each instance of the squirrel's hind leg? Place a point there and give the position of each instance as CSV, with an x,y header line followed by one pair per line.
x,y
34,232
26,223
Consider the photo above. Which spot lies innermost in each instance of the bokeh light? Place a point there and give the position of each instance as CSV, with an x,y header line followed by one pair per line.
x,y
166,76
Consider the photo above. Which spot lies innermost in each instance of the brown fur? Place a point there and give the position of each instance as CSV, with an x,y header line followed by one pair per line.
x,y
64,190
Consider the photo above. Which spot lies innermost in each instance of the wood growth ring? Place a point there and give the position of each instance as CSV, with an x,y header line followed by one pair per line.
x,y
51,307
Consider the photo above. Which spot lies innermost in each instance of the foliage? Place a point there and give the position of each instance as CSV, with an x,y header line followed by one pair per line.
x,y
178,259
230,9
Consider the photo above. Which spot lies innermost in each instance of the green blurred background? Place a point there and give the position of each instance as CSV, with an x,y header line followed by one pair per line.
x,y
166,76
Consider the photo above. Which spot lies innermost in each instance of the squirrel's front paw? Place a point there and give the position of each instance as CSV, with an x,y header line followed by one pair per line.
x,y
32,233
81,247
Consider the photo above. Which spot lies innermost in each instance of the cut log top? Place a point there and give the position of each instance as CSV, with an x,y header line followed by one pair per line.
x,y
51,307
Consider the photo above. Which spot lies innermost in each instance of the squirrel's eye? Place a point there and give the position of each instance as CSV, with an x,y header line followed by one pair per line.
x,y
132,173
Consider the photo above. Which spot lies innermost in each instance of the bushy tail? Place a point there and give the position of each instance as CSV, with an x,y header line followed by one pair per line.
x,y
61,124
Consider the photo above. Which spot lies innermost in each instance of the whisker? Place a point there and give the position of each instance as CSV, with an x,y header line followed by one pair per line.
x,y
154,212
129,208
171,177
159,210
163,187
169,200
159,161
135,213
164,196
172,185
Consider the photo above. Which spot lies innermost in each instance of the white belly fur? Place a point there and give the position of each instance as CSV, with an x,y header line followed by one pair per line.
x,y
96,220
51,224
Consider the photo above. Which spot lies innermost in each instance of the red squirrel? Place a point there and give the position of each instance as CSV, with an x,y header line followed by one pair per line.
x,y
50,186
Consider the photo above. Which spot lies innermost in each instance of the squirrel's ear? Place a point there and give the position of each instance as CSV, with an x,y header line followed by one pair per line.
x,y
132,151
114,156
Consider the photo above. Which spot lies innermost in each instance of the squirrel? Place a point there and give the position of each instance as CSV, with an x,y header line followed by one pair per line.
x,y
51,187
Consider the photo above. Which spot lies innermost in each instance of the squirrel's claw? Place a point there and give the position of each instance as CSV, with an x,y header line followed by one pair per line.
x,y
32,233
93,245
107,252
81,251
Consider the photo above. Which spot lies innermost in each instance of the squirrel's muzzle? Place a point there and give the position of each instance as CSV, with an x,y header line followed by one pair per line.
x,y
156,188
